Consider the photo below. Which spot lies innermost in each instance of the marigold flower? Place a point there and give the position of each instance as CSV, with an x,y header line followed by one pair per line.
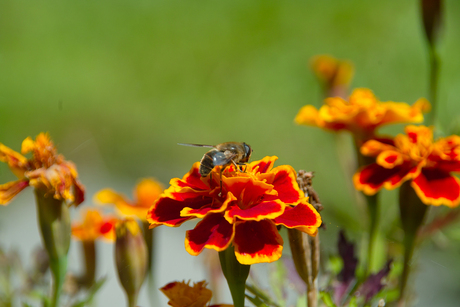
x,y
95,226
415,157
362,114
46,170
245,213
331,71
145,193
181,294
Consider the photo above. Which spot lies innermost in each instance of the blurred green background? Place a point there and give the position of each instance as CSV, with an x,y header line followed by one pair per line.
x,y
118,84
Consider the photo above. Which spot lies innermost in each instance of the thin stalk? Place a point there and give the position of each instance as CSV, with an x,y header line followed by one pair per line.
x,y
433,84
413,213
89,254
149,241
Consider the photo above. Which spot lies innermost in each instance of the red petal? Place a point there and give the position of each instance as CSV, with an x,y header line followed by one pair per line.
x,y
286,185
302,215
436,187
166,211
263,210
192,179
264,165
257,242
212,232
373,177
215,207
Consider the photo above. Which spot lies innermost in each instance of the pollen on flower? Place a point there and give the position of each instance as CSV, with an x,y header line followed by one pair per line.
x,y
260,199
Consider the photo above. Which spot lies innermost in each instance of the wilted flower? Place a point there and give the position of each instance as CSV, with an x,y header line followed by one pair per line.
x,y
46,170
414,157
145,193
245,212
94,226
362,114
181,294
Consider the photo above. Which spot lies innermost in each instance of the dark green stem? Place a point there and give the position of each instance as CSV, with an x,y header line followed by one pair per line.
x,y
89,254
236,275
54,220
413,213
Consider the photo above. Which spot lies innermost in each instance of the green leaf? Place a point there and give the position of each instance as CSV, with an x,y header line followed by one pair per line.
x,y
327,299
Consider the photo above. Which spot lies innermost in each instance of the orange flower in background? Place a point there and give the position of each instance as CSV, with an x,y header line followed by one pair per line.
x,y
181,294
415,157
362,114
46,170
245,213
95,226
331,71
145,193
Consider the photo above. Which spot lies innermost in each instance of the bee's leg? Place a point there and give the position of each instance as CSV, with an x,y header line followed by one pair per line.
x,y
221,171
242,164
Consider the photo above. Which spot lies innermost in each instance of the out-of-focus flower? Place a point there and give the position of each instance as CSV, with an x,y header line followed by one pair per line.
x,y
145,193
335,74
414,157
181,294
245,212
362,114
130,258
46,170
95,226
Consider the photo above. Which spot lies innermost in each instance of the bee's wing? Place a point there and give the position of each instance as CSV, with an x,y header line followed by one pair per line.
x,y
195,145
223,158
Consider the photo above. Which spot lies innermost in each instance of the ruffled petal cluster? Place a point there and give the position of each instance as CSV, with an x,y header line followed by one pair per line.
x,y
416,157
95,226
245,212
181,294
46,170
361,114
145,194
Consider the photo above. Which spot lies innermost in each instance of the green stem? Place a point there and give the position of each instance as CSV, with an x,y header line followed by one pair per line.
x,y
150,241
54,220
374,219
132,299
236,275
413,213
433,84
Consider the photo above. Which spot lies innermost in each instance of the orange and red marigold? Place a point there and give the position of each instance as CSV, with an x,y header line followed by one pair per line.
x,y
245,213
415,157
46,170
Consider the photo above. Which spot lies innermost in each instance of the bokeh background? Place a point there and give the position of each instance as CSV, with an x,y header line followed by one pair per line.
x,y
118,84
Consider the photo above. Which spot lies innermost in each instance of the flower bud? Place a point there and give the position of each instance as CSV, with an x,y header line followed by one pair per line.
x,y
130,258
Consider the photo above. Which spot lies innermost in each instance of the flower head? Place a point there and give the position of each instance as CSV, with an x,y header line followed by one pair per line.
x,y
416,157
335,74
145,193
362,114
95,226
245,212
181,294
46,170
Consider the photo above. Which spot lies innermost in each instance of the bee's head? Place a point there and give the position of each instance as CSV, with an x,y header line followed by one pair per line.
x,y
247,152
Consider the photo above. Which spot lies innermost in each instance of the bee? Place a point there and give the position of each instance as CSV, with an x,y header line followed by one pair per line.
x,y
223,155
